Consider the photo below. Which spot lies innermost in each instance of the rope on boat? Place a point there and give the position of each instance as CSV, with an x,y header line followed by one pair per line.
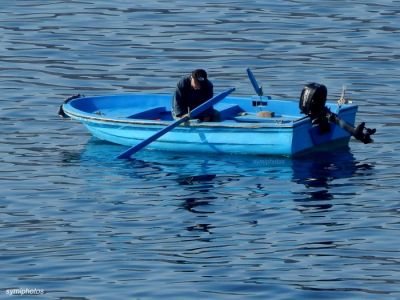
x,y
61,112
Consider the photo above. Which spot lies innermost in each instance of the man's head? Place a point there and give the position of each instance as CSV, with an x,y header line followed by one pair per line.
x,y
198,78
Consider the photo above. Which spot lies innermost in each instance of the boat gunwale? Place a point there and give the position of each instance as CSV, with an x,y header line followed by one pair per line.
x,y
125,121
75,113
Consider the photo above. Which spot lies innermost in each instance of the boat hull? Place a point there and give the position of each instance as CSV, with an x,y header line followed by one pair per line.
x,y
288,137
202,139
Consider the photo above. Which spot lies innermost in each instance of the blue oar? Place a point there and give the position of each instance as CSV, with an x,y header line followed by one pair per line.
x,y
253,81
195,112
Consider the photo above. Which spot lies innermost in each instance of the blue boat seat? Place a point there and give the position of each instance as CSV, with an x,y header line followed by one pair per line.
x,y
227,110
150,113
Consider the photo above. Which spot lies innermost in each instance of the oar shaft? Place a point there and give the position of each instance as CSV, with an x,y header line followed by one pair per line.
x,y
148,141
195,112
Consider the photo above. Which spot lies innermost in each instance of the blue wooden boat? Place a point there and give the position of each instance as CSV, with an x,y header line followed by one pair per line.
x,y
245,127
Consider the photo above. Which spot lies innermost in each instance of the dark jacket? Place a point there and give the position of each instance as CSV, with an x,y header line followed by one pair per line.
x,y
186,97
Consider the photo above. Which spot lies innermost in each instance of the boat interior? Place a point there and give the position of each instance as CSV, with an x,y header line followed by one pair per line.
x,y
227,112
158,107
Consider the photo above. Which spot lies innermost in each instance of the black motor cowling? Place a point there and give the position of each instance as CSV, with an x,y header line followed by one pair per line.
x,y
312,103
313,99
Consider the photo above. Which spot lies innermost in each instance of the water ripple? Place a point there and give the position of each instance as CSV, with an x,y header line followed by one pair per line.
x,y
78,224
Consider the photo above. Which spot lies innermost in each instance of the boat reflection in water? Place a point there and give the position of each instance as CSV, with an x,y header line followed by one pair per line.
x,y
206,178
317,171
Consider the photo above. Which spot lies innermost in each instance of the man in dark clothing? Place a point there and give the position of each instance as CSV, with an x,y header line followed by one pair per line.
x,y
191,91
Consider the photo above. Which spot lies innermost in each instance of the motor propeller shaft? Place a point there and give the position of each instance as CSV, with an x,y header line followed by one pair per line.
x,y
360,132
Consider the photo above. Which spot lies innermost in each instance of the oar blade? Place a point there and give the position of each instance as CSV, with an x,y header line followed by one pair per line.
x,y
128,153
254,83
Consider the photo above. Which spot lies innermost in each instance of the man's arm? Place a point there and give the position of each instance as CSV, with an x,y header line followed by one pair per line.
x,y
179,104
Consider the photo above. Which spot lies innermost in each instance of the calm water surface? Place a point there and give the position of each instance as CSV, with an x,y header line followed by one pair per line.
x,y
77,224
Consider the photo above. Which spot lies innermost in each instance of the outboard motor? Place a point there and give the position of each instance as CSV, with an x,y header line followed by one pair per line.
x,y
313,99
312,103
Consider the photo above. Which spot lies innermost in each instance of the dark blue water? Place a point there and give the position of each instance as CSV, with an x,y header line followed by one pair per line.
x,y
77,224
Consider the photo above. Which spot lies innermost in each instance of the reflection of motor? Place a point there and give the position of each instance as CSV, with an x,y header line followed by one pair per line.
x,y
312,103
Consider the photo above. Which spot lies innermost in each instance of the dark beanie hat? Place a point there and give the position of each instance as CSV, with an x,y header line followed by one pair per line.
x,y
199,74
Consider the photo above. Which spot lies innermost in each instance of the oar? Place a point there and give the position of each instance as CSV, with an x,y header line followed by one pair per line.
x,y
195,112
253,81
